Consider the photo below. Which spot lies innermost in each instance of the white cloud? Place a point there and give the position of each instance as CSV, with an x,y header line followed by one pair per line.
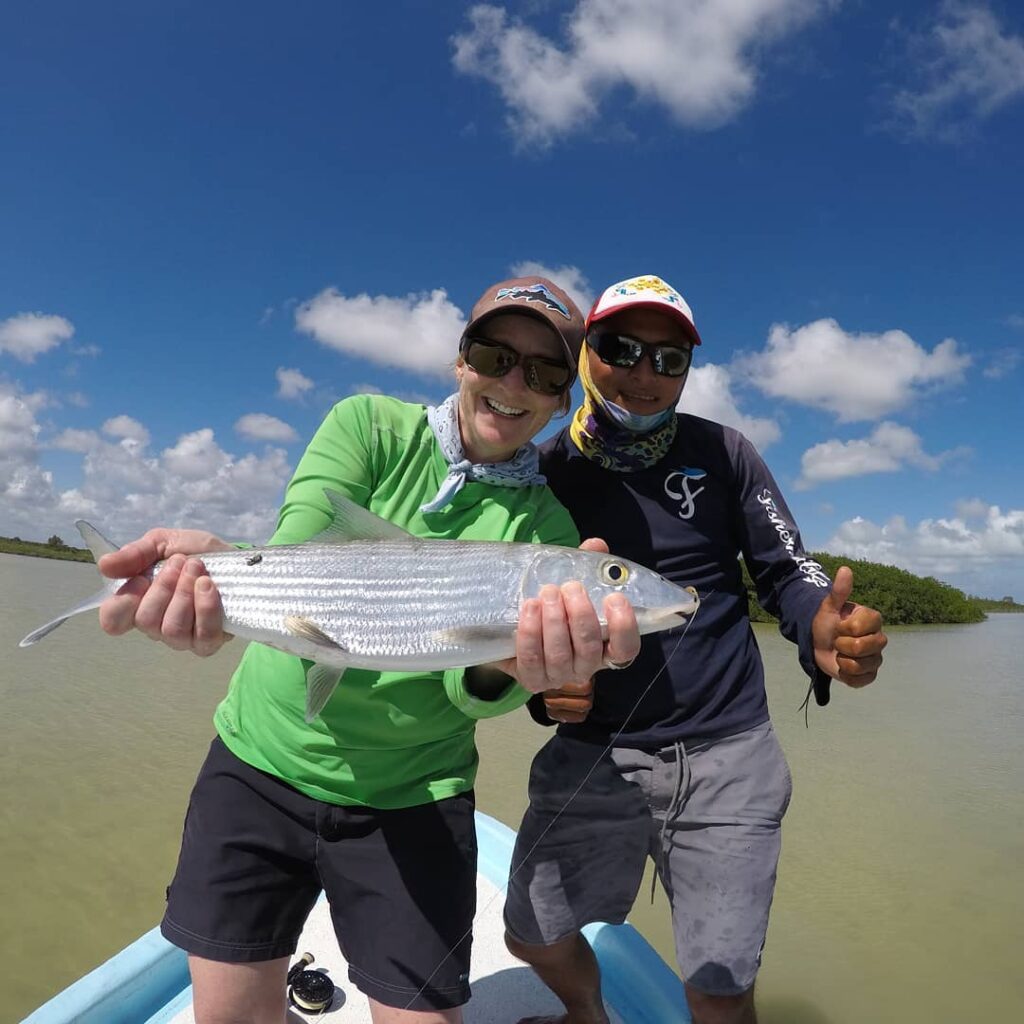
x,y
972,508
696,58
126,428
855,376
292,383
125,488
977,555
1002,362
967,67
1016,320
570,279
419,332
258,426
18,428
28,335
708,393
889,449
73,440
22,482
196,456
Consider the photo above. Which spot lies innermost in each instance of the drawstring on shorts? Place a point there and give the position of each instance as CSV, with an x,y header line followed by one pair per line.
x,y
680,787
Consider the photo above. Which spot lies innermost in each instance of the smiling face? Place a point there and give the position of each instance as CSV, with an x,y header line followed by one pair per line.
x,y
638,389
498,415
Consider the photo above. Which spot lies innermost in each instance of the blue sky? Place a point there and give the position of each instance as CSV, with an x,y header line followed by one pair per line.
x,y
218,219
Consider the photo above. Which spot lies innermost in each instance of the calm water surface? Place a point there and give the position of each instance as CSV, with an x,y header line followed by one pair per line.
x,y
901,889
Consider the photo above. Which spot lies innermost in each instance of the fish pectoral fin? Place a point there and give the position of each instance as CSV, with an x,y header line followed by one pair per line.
x,y
353,522
306,629
321,682
321,679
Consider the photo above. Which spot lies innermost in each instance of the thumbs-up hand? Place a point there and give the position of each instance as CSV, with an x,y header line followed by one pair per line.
x,y
848,638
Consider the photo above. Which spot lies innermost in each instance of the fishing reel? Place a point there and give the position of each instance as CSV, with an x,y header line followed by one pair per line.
x,y
310,991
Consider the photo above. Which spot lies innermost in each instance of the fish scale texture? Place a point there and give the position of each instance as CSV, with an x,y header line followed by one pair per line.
x,y
374,598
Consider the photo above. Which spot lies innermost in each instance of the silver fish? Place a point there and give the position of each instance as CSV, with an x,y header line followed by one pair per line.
x,y
367,594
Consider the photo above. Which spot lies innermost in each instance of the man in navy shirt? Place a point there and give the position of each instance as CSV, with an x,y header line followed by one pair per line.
x,y
677,758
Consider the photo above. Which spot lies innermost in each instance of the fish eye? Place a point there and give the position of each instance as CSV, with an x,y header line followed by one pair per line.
x,y
614,573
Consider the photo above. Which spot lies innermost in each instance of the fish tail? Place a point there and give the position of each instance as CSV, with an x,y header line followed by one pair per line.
x,y
87,605
99,546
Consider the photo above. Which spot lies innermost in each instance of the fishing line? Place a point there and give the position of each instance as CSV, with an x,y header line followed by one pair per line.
x,y
513,871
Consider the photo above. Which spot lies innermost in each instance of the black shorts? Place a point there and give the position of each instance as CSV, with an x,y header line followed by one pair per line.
x,y
255,854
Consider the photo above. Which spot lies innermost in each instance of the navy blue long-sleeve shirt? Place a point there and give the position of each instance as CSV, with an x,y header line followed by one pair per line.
x,y
690,517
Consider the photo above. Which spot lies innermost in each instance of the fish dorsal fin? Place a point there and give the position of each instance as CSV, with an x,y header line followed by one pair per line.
x,y
353,522
94,540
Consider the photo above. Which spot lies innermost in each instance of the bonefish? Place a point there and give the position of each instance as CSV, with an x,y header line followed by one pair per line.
x,y
367,594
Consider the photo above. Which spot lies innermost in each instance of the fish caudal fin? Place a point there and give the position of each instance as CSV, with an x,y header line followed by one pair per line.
x,y
99,546
87,605
321,682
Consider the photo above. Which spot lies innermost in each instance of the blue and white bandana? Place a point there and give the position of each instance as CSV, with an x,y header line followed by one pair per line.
x,y
522,470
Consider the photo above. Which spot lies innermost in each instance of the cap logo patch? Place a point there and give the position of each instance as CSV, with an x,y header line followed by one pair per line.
x,y
636,285
535,293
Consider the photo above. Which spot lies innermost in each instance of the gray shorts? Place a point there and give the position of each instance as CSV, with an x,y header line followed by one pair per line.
x,y
709,813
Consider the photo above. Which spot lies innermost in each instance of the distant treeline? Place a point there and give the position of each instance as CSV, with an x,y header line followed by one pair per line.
x,y
53,548
900,596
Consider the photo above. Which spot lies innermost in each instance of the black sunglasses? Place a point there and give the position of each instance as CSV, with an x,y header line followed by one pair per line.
x,y
623,351
494,359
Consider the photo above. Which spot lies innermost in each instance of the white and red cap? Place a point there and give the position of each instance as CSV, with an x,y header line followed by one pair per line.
x,y
649,292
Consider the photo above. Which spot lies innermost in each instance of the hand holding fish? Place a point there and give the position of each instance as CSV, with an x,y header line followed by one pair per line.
x,y
559,641
848,637
180,605
559,645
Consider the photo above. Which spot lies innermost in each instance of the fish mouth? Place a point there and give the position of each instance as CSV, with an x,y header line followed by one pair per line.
x,y
667,616
664,618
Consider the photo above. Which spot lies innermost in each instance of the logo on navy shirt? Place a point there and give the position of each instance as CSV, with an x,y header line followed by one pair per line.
x,y
680,485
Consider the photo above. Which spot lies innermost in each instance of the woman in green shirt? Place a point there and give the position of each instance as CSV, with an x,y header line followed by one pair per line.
x,y
373,801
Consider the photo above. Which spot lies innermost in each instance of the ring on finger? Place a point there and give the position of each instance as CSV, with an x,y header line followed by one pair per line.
x,y
617,665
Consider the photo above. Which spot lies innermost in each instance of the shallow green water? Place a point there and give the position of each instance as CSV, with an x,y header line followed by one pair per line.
x,y
901,891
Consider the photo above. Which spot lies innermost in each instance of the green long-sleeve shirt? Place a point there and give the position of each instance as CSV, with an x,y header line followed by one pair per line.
x,y
385,739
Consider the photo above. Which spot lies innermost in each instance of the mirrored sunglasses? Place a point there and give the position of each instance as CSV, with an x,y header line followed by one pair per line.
x,y
624,351
494,359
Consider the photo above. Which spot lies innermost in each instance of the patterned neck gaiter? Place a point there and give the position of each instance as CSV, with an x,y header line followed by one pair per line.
x,y
615,438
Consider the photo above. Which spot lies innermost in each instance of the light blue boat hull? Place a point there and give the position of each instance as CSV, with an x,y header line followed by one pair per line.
x,y
148,981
